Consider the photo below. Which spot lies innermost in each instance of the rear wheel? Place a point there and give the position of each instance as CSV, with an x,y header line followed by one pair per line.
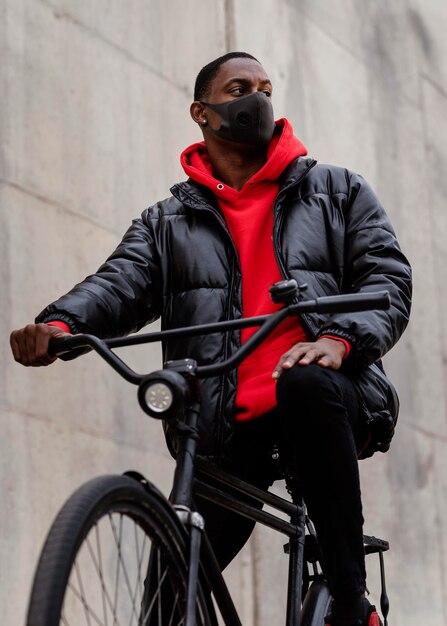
x,y
114,556
316,604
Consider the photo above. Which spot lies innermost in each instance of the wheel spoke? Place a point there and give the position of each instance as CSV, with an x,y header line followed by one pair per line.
x,y
81,597
160,612
95,554
120,562
139,582
116,572
155,598
174,607
140,556
82,594
106,599
105,595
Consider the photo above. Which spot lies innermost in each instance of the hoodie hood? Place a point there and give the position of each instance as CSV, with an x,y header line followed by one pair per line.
x,y
283,149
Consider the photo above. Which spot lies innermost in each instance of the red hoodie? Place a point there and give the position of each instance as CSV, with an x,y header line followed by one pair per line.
x,y
249,216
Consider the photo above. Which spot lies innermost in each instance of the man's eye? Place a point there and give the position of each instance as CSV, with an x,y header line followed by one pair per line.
x,y
238,90
268,93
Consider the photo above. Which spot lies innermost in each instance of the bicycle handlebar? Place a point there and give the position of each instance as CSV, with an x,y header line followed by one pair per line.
x,y
328,304
349,303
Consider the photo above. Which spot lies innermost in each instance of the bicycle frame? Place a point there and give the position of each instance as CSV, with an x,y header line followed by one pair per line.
x,y
294,530
190,479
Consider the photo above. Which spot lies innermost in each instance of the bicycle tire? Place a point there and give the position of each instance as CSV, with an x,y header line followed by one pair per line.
x,y
316,604
114,555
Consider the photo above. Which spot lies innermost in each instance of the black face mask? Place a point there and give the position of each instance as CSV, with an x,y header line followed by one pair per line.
x,y
248,119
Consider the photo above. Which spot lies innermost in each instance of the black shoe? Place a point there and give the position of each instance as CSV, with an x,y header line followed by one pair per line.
x,y
364,614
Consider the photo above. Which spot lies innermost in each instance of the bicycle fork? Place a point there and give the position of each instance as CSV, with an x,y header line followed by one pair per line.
x,y
196,525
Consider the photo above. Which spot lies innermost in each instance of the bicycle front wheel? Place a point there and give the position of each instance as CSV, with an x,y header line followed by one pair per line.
x,y
114,556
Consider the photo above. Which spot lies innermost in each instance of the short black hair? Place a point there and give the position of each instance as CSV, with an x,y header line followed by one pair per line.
x,y
206,75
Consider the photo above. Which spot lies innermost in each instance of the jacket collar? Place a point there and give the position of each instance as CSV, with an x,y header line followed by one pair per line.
x,y
295,171
198,196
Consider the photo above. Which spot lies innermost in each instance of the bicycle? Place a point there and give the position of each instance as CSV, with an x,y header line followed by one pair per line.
x,y
119,552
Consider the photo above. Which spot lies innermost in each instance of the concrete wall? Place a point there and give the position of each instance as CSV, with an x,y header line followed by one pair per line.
x,y
94,111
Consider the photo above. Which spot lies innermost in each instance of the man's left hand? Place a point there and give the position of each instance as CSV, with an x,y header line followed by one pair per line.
x,y
325,352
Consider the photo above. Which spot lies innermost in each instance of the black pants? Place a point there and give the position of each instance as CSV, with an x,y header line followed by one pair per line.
x,y
317,419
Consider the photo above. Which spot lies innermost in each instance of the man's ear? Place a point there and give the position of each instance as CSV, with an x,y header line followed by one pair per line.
x,y
197,111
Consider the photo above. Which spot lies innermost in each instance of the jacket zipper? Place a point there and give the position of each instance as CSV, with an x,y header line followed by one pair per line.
x,y
235,262
221,407
277,226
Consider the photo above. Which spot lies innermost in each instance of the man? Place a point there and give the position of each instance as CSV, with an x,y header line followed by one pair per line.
x,y
253,211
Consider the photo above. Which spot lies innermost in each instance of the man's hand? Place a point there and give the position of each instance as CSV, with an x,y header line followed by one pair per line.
x,y
29,345
325,352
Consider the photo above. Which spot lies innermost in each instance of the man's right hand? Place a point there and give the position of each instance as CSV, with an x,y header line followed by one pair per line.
x,y
29,345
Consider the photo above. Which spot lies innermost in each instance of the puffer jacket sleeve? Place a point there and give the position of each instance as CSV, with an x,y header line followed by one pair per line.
x,y
122,296
373,262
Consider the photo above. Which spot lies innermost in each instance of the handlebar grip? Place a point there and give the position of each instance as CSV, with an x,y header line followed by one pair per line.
x,y
59,345
379,300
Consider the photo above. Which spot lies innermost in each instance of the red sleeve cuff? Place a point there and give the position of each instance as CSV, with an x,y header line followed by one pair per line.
x,y
62,325
346,343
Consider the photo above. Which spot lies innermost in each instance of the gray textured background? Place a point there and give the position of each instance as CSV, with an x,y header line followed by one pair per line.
x,y
94,100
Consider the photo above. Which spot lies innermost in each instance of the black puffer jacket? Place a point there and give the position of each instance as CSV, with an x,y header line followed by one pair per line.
x,y
178,262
